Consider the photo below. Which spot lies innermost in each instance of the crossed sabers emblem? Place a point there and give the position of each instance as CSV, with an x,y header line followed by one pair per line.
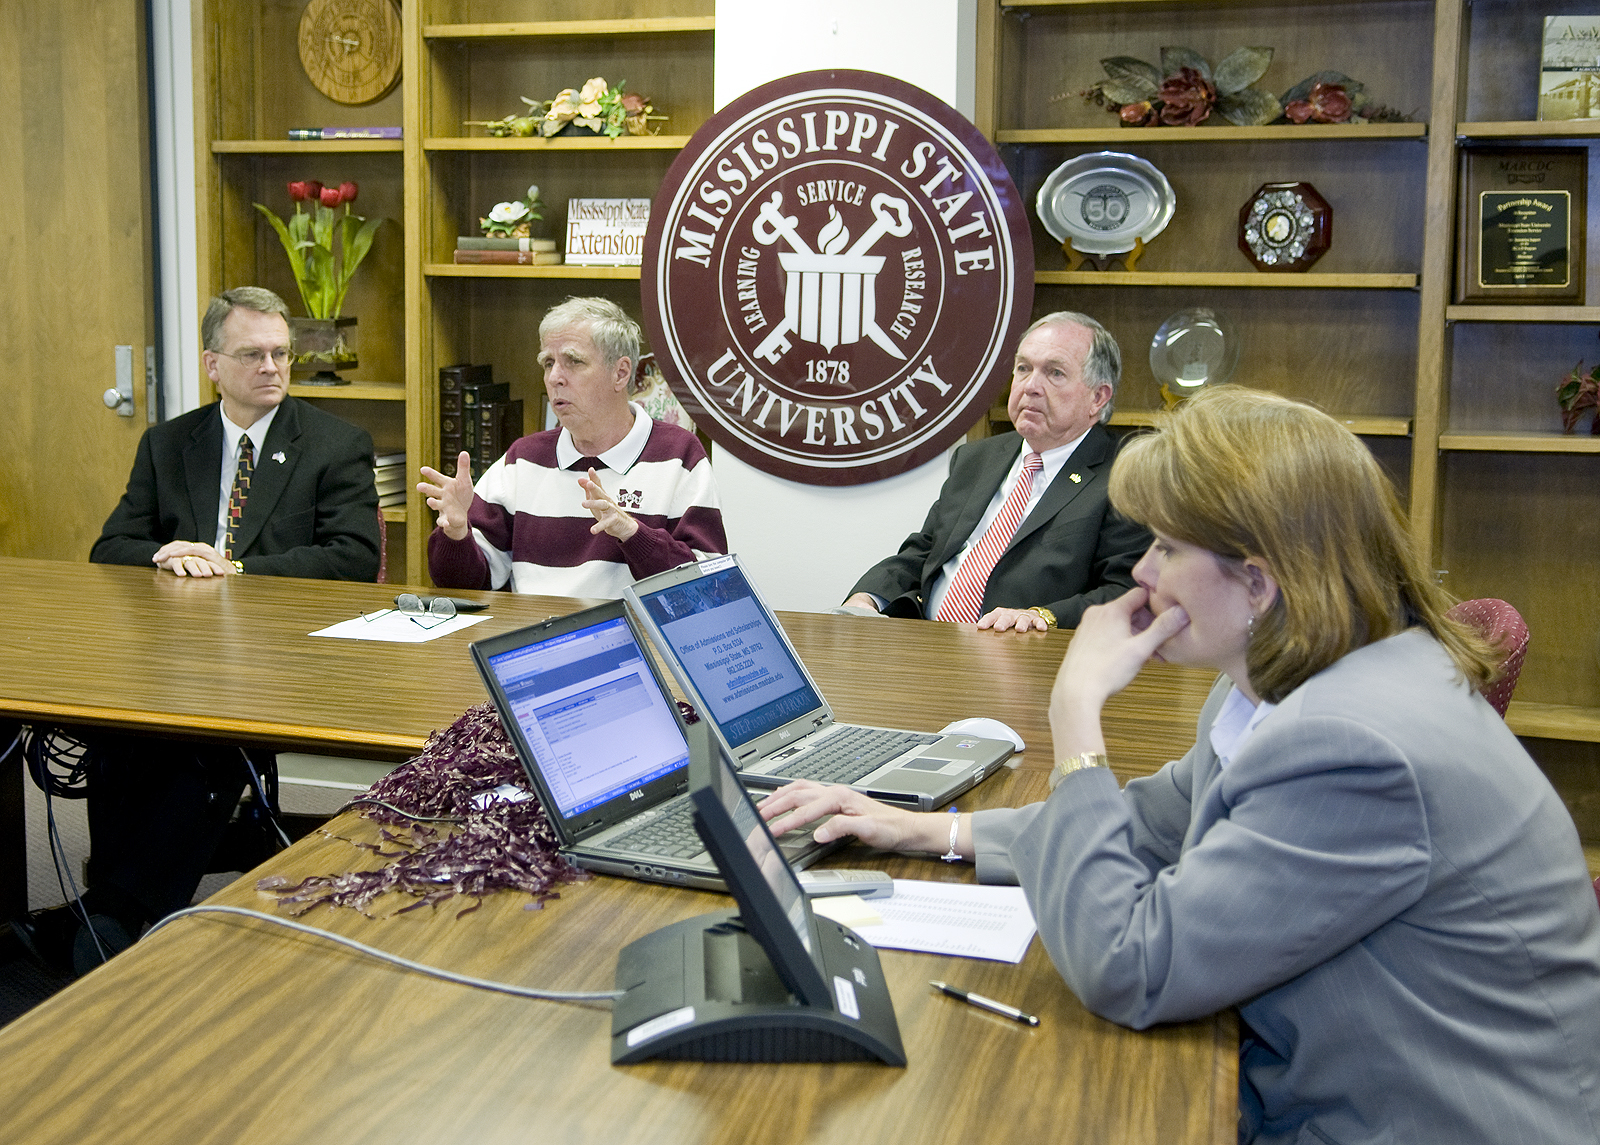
x,y
829,297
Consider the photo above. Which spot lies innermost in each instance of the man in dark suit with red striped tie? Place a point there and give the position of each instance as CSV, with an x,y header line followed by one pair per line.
x,y
1022,536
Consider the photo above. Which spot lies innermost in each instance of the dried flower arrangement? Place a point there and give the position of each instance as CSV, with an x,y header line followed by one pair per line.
x,y
1186,89
601,108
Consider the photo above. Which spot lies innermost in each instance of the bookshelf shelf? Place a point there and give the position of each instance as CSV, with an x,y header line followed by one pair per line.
x,y
516,30
556,143
360,391
1530,129
1227,279
1286,132
1527,314
454,270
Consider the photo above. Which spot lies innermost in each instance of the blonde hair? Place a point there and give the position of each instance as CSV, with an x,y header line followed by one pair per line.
x,y
1248,474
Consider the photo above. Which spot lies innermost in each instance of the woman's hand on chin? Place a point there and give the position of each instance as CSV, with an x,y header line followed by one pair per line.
x,y
1112,642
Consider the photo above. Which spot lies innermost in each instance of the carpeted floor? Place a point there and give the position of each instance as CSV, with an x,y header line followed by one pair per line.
x,y
23,985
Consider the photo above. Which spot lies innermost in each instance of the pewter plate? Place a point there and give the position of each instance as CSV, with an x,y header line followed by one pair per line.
x,y
1105,200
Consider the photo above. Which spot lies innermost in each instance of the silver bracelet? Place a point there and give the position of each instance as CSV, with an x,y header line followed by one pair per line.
x,y
952,856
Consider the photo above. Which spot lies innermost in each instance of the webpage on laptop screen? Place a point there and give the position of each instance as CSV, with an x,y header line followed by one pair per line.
x,y
597,723
728,646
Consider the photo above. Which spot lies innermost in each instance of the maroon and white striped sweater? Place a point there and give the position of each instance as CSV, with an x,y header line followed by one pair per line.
x,y
529,526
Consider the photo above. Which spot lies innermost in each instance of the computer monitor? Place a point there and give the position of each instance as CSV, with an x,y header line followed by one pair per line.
x,y
771,904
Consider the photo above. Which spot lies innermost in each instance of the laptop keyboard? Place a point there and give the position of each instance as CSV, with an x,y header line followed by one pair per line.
x,y
852,752
670,834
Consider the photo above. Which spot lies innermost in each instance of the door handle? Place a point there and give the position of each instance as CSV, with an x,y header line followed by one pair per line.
x,y
120,396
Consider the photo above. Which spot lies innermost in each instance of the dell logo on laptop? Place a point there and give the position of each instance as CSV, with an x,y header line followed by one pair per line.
x,y
636,795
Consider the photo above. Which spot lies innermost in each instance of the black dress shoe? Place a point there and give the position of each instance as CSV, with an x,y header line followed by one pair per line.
x,y
48,936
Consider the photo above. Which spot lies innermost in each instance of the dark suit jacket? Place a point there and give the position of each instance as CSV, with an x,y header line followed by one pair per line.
x,y
1072,551
312,514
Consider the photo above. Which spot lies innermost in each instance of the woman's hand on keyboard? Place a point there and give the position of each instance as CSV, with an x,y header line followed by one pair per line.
x,y
875,824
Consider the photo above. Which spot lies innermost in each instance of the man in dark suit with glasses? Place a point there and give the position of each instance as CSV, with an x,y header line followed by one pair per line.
x,y
308,506
258,482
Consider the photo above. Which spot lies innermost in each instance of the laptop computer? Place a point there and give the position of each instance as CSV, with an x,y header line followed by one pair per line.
x,y
735,662
603,744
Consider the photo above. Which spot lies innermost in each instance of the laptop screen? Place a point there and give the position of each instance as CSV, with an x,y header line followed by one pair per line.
x,y
592,713
730,648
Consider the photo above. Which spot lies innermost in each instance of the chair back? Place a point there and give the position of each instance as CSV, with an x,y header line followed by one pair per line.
x,y
383,549
1503,627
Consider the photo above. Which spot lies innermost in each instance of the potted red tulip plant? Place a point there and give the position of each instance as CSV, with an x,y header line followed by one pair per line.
x,y
324,247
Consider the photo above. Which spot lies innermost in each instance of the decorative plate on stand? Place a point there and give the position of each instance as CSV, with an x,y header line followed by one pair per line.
x,y
1285,226
1105,203
1194,348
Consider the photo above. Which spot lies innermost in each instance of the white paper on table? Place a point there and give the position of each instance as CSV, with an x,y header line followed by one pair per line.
x,y
396,627
953,918
851,910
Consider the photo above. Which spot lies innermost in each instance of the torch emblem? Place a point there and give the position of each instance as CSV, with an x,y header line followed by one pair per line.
x,y
829,297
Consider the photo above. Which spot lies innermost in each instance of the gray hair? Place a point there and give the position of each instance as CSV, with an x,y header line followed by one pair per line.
x,y
613,333
257,298
1102,366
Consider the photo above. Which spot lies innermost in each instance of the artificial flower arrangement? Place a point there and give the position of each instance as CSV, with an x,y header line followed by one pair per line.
x,y
1577,392
1186,89
324,246
514,219
599,107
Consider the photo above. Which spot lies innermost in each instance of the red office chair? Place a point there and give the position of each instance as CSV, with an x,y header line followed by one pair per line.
x,y
1503,627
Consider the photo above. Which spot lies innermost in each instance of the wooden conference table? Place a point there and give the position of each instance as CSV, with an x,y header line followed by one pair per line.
x,y
223,1029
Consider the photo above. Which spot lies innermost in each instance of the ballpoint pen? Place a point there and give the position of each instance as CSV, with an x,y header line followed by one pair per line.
x,y
983,1003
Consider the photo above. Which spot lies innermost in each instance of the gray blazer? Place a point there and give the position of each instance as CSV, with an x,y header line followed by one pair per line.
x,y
1382,881
1072,551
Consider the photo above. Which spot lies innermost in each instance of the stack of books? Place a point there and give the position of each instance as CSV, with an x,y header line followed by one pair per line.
x,y
476,414
389,474
512,252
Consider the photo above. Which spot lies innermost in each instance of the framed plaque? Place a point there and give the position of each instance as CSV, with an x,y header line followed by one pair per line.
x,y
1520,225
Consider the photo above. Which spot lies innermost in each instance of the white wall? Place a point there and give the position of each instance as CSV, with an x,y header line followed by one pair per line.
x,y
807,544
172,67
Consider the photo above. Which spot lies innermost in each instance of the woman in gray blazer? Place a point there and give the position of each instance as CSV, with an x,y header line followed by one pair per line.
x,y
1356,853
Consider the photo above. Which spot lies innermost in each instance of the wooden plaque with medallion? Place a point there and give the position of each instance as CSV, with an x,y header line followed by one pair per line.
x,y
1520,225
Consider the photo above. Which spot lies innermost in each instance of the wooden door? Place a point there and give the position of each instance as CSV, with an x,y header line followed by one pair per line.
x,y
75,265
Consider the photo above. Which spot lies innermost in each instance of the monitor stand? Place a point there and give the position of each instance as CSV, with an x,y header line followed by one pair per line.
x,y
704,990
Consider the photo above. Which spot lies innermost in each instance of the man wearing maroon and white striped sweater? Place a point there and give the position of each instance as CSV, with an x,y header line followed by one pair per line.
x,y
541,519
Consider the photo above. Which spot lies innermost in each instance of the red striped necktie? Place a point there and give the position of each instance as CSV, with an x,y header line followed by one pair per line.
x,y
963,600
241,490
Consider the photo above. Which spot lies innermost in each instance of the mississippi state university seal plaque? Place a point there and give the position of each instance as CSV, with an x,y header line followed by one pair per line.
x,y
836,272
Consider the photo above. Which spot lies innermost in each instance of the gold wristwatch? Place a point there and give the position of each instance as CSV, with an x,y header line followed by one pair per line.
x,y
1077,763
238,566
1049,617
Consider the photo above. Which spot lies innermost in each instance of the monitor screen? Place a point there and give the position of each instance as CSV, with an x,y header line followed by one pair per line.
x,y
771,904
591,712
731,650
